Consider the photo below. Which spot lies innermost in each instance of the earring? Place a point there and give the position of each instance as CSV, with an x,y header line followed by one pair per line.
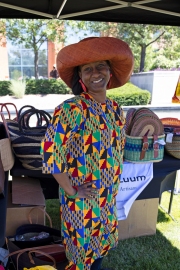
x,y
109,83
83,85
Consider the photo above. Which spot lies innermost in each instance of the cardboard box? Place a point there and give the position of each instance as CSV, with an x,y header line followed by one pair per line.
x,y
26,195
141,220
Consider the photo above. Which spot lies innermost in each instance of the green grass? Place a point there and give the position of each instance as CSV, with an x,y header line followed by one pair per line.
x,y
157,252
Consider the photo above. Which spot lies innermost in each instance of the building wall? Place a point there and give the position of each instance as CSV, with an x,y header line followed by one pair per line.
x,y
161,84
53,49
51,56
4,70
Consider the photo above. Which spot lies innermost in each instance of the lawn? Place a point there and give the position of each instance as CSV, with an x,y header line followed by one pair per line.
x,y
156,252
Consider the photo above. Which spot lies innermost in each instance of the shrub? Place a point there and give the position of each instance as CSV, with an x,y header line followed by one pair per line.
x,y
17,88
51,86
129,94
4,88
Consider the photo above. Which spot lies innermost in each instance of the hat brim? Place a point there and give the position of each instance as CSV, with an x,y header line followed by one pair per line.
x,y
89,50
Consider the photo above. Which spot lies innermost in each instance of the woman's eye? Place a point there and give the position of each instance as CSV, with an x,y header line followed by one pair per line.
x,y
87,69
101,65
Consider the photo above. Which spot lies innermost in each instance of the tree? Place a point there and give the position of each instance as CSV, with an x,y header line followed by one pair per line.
x,y
33,33
138,36
168,50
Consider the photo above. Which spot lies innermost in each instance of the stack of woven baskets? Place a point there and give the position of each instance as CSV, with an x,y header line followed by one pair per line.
x,y
172,131
144,136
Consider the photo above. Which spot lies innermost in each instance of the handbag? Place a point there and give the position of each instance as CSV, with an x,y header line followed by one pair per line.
x,y
27,235
26,139
144,138
172,128
25,258
6,156
6,153
26,239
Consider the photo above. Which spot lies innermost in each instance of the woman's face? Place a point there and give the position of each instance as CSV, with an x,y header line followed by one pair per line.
x,y
95,76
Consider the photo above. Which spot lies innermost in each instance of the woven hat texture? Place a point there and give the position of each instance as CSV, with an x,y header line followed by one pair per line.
x,y
94,49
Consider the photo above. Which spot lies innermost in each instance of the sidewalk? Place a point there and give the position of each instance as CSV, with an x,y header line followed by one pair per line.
x,y
49,102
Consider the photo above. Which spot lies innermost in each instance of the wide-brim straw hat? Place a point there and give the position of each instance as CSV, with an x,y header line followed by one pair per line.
x,y
94,49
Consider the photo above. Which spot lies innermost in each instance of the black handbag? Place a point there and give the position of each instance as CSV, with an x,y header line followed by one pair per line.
x,y
26,139
34,235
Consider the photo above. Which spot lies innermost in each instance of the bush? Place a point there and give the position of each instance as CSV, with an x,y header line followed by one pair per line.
x,y
51,86
34,87
129,94
4,88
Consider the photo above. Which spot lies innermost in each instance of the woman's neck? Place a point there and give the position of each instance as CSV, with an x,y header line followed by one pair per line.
x,y
99,97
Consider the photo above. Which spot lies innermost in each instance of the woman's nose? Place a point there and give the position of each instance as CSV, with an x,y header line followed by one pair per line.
x,y
95,72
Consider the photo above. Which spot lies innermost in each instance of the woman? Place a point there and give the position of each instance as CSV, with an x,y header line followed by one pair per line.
x,y
83,147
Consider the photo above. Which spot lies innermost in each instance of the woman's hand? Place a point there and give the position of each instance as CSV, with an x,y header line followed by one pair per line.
x,y
87,191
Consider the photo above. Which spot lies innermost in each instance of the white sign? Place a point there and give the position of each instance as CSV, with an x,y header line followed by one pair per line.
x,y
134,179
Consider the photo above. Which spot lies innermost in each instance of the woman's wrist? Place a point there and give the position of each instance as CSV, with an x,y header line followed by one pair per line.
x,y
75,193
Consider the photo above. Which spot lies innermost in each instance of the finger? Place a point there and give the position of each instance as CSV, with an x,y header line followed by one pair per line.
x,y
90,197
86,185
91,191
94,191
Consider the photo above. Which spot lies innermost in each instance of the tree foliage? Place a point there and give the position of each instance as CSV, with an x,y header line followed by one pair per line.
x,y
33,33
153,46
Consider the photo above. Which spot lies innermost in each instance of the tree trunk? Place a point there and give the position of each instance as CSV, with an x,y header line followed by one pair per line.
x,y
36,58
143,56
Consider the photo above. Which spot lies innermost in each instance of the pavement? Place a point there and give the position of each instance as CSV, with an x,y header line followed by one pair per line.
x,y
50,101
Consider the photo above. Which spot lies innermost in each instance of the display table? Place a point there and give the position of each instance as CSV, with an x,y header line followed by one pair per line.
x,y
153,190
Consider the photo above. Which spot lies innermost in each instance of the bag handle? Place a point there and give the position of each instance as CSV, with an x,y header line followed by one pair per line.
x,y
31,259
39,208
29,249
28,113
43,253
22,108
40,116
5,105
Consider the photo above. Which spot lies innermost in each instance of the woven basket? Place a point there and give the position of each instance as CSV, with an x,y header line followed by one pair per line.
x,y
133,148
170,122
173,148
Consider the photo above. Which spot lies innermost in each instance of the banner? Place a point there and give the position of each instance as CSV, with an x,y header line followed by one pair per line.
x,y
176,97
134,179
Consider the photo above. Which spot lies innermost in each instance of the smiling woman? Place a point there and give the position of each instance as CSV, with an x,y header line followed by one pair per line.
x,y
83,148
95,77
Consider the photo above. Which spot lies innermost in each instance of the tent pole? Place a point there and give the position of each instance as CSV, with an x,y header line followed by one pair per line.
x,y
27,10
61,8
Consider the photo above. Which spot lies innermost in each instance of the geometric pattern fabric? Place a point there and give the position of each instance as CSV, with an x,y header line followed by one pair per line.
x,y
85,139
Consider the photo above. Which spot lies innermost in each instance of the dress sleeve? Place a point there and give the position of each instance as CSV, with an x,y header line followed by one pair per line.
x,y
121,122
54,147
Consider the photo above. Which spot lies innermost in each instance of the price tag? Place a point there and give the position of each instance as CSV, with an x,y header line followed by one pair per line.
x,y
169,137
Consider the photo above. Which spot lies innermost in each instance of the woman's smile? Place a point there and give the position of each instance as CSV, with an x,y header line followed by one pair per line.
x,y
95,75
97,81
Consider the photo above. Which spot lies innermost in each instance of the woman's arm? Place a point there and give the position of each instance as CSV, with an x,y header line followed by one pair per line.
x,y
64,182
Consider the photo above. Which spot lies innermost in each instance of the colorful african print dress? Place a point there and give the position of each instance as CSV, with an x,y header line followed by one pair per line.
x,y
85,140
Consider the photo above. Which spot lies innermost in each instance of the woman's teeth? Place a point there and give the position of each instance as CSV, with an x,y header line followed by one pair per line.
x,y
97,81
